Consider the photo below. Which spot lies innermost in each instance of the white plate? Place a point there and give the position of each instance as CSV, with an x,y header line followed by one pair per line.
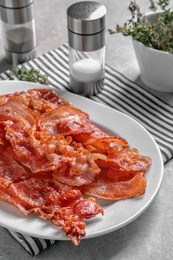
x,y
116,214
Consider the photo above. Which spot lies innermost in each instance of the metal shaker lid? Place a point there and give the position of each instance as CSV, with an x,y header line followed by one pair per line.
x,y
86,17
19,13
15,3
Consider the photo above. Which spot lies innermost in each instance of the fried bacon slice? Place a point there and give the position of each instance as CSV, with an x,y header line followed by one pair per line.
x,y
65,120
39,151
51,154
121,177
123,163
120,190
41,100
64,208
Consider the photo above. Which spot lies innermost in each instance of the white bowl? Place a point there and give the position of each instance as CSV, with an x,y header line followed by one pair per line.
x,y
156,66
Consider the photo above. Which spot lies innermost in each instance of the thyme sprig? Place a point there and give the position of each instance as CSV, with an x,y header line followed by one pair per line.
x,y
158,35
31,75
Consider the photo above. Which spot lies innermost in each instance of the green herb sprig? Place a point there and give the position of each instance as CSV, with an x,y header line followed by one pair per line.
x,y
158,35
28,75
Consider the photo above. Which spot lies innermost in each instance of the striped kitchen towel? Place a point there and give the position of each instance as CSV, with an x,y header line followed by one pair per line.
x,y
33,245
119,93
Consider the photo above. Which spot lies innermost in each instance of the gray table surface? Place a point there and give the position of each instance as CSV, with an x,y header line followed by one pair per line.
x,y
150,236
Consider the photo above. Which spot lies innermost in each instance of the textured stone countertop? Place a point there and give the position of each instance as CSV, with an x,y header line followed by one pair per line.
x,y
150,236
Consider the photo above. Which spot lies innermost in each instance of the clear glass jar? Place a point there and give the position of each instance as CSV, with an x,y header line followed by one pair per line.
x,y
87,71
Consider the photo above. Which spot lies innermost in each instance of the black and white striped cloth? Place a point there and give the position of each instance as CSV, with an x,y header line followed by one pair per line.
x,y
119,93
33,245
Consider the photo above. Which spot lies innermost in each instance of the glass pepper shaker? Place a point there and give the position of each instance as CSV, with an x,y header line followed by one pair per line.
x,y
86,35
18,30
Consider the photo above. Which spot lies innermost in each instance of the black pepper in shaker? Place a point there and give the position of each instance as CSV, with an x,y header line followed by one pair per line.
x,y
18,30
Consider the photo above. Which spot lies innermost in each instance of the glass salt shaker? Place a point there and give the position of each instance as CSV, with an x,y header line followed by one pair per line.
x,y
86,34
18,30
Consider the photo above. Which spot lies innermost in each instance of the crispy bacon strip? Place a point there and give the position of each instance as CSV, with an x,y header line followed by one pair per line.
x,y
121,176
65,120
41,152
121,190
41,100
125,161
66,209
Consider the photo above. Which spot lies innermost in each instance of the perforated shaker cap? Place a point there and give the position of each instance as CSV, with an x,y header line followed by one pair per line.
x,y
86,17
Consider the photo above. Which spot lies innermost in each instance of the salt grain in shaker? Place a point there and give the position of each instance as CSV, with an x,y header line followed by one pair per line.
x,y
86,34
18,30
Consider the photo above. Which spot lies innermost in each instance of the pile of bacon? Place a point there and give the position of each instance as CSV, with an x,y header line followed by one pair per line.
x,y
51,154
